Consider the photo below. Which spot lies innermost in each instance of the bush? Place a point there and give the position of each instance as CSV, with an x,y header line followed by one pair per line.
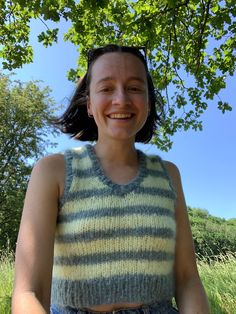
x,y
212,235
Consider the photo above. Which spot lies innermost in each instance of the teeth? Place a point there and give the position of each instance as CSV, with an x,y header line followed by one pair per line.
x,y
120,115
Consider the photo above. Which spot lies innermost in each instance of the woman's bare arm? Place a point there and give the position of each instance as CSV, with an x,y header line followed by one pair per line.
x,y
34,251
190,294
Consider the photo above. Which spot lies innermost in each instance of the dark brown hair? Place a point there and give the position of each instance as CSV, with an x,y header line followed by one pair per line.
x,y
75,120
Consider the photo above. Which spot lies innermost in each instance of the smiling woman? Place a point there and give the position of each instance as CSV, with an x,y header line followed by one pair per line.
x,y
118,96
105,227
76,121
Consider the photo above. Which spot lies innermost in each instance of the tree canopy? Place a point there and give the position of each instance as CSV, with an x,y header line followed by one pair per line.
x,y
190,45
25,112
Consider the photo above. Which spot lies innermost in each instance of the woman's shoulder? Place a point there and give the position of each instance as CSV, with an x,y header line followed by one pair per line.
x,y
174,173
171,167
56,163
57,167
52,169
50,163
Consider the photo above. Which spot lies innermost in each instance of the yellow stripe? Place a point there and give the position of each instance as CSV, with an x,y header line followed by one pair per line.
x,y
109,201
81,163
106,223
154,165
150,182
87,272
79,184
115,245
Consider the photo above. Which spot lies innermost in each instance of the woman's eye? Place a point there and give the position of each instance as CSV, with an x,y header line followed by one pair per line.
x,y
135,88
106,89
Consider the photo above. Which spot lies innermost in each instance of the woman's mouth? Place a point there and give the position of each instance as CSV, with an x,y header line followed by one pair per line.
x,y
120,115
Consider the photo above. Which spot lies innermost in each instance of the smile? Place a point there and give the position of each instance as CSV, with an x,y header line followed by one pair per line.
x,y
120,115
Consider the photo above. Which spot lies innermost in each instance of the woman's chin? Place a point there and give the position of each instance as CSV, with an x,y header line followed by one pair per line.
x,y
120,136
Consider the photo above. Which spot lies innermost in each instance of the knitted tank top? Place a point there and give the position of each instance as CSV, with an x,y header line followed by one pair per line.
x,y
114,243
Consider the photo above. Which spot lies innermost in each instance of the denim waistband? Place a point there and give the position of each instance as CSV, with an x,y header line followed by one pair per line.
x,y
164,307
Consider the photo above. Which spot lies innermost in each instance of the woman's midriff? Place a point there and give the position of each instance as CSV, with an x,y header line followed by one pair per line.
x,y
113,307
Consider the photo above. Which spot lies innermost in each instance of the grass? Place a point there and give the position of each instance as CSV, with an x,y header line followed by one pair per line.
x,y
219,279
218,276
6,282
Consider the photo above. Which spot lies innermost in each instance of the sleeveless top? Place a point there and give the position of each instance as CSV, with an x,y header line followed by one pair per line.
x,y
114,243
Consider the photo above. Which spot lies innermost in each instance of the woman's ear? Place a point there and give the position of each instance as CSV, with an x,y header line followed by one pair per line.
x,y
88,107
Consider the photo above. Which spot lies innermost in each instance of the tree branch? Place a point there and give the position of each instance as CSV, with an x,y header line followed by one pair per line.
x,y
202,30
44,23
161,12
185,3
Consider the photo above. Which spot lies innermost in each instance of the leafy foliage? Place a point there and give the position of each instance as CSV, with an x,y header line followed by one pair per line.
x,y
190,45
25,113
212,235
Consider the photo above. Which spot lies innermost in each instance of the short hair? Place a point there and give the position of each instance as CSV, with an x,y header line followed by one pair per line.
x,y
75,120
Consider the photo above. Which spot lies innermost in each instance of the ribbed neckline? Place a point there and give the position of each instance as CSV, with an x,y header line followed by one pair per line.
x,y
98,170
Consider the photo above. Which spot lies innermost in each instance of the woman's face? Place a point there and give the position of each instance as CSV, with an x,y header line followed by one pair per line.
x,y
118,96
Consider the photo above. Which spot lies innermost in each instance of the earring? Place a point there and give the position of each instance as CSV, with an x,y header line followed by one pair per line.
x,y
90,115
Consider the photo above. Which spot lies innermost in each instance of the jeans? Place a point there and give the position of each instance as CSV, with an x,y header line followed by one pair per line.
x,y
154,308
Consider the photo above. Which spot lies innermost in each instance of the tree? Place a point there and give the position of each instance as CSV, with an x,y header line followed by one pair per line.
x,y
25,113
190,45
213,236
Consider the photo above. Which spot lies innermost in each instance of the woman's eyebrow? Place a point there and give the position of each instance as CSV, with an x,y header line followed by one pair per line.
x,y
131,78
104,79
136,78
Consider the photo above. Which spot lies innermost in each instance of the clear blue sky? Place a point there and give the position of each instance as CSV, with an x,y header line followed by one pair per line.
x,y
207,159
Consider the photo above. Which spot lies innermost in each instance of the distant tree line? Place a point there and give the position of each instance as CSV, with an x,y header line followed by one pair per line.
x,y
212,235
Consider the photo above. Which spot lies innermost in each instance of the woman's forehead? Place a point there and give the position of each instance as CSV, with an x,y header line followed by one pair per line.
x,y
115,64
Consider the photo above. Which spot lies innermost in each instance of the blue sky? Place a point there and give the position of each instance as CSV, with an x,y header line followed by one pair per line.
x,y
207,159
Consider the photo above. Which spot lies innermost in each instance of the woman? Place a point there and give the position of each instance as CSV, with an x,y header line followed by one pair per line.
x,y
105,228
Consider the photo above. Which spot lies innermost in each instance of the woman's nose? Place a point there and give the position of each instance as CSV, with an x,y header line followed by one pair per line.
x,y
121,97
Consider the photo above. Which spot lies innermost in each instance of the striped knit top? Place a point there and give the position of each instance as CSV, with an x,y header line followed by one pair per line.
x,y
114,243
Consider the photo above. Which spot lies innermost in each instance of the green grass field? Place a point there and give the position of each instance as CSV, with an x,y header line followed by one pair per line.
x,y
6,282
219,279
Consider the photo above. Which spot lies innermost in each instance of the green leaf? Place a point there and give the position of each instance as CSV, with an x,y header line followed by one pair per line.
x,y
215,9
224,106
48,37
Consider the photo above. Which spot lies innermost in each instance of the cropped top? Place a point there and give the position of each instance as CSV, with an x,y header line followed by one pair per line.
x,y
114,243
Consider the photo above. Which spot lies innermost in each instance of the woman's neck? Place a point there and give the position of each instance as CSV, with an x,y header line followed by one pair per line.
x,y
119,162
116,152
